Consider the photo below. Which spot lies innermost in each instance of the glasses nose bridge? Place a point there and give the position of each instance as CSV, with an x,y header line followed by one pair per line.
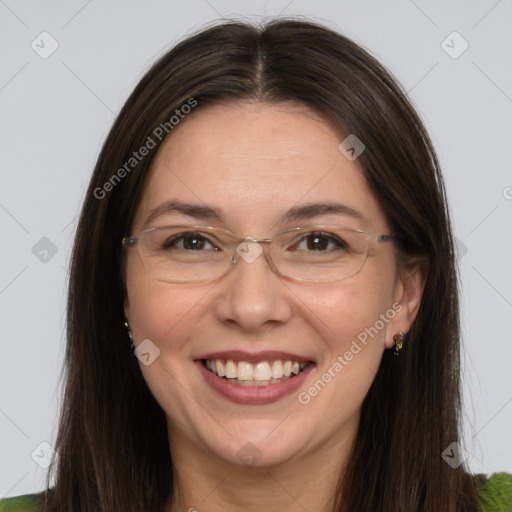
x,y
263,243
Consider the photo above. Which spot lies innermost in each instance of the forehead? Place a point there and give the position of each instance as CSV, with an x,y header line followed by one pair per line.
x,y
254,161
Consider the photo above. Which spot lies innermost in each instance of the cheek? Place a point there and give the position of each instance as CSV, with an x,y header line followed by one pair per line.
x,y
164,313
160,311
167,314
348,316
348,323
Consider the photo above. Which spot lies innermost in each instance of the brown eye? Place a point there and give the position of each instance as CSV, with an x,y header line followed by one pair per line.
x,y
320,242
188,242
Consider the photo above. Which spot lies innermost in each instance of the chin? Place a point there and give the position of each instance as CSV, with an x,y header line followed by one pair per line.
x,y
264,448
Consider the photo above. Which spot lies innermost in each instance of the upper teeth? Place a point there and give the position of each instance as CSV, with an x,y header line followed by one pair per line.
x,y
262,371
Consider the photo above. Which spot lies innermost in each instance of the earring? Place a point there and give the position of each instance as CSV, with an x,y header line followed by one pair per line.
x,y
398,338
130,336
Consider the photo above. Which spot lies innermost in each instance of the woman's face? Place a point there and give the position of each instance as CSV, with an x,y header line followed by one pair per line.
x,y
252,163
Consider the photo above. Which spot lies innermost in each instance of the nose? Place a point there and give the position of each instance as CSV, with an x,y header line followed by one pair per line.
x,y
251,295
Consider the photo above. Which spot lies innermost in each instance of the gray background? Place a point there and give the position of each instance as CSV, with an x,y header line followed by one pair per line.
x,y
56,111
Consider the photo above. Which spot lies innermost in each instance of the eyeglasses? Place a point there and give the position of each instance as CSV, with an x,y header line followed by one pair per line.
x,y
192,254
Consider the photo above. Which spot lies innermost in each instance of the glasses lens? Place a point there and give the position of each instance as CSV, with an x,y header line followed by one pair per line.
x,y
322,253
184,254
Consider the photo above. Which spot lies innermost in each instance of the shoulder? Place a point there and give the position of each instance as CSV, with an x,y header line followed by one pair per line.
x,y
494,492
25,503
494,495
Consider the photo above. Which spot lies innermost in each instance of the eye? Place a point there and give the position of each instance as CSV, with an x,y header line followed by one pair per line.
x,y
189,242
320,242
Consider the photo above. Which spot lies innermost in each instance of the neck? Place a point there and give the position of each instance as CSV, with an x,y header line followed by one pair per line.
x,y
307,481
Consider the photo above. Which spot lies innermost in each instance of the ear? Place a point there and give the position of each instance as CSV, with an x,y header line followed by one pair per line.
x,y
407,294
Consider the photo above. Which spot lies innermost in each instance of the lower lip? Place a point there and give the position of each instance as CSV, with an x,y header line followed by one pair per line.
x,y
254,395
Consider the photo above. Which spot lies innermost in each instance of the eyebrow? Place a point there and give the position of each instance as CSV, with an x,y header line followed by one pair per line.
x,y
196,211
297,213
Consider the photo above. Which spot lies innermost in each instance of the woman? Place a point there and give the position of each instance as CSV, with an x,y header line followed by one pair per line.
x,y
263,309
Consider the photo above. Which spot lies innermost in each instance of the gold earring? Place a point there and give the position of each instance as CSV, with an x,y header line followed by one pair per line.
x,y
398,338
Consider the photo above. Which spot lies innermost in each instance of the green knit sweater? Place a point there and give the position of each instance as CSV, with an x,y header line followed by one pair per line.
x,y
495,495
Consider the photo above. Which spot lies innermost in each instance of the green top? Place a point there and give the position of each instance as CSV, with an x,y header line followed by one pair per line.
x,y
26,503
495,495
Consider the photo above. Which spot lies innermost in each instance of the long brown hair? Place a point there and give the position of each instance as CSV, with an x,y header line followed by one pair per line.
x,y
112,440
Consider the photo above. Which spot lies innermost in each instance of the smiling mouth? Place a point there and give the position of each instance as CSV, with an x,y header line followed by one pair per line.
x,y
262,373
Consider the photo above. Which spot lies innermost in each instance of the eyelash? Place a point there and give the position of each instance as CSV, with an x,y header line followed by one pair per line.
x,y
330,238
171,242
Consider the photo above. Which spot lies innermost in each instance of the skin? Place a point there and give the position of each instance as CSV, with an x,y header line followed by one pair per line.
x,y
238,157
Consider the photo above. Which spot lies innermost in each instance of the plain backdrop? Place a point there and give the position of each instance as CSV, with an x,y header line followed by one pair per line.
x,y
56,109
